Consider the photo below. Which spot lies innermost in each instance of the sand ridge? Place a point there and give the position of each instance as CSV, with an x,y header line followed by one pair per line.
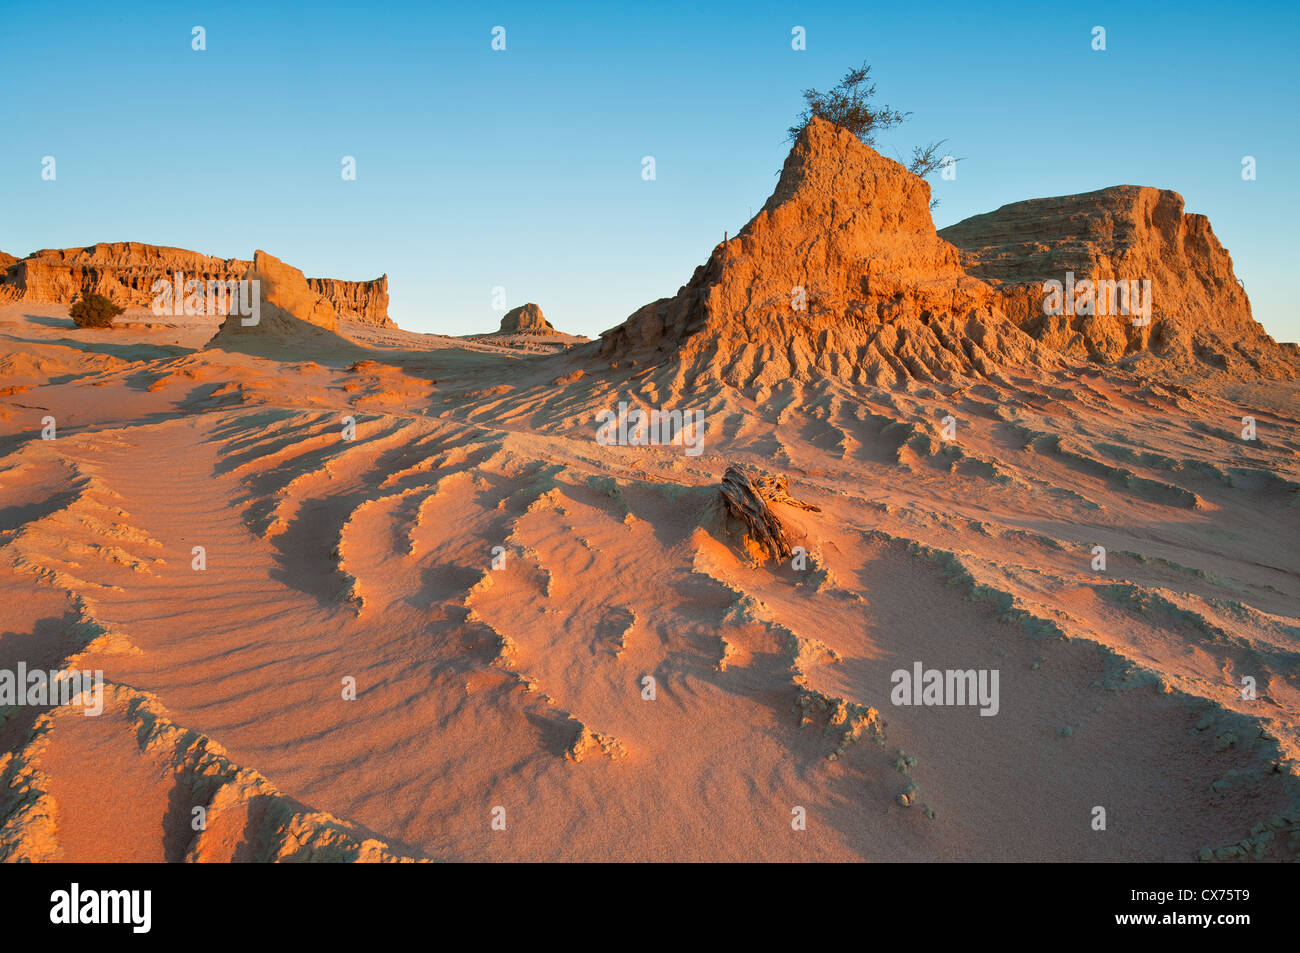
x,y
522,686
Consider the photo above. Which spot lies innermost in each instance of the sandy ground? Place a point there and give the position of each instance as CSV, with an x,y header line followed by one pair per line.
x,y
514,696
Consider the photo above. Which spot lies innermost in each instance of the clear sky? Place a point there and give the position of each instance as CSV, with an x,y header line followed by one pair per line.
x,y
522,168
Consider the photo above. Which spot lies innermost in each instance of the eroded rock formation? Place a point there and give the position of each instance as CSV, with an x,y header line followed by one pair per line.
x,y
841,273
126,271
122,271
288,308
363,301
1199,311
526,319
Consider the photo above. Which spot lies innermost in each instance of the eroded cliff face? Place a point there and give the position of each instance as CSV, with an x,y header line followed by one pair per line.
x,y
1198,314
362,301
126,272
122,271
840,274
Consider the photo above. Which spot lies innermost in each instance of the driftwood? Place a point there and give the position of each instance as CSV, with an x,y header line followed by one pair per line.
x,y
745,495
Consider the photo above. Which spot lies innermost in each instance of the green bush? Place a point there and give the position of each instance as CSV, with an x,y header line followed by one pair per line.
x,y
93,310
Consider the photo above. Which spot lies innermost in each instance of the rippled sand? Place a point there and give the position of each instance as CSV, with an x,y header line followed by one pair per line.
x,y
517,694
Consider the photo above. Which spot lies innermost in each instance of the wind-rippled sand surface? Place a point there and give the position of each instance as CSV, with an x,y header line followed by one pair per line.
x,y
522,687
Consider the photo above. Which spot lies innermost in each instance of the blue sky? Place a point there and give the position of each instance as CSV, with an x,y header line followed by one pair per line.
x,y
522,169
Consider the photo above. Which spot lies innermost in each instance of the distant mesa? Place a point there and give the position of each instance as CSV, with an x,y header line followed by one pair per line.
x,y
840,274
1200,313
526,319
525,328
126,271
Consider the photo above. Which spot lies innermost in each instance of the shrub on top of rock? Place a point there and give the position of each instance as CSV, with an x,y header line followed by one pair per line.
x,y
849,105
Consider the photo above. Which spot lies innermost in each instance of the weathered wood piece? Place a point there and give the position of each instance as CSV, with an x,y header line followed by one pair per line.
x,y
746,495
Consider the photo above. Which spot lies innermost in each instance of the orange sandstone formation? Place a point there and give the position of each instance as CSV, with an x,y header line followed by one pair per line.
x,y
287,306
526,319
122,271
365,302
841,273
126,272
1199,311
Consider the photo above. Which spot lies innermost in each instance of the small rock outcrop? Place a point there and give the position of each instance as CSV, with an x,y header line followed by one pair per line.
x,y
1199,311
840,274
526,319
125,273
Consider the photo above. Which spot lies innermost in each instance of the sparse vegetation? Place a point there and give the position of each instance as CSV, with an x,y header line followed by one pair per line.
x,y
93,310
849,105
